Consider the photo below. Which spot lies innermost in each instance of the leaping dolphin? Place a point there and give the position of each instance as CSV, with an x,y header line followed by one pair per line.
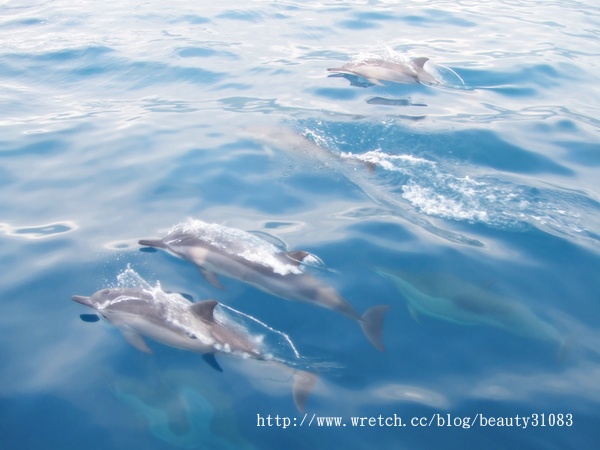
x,y
448,298
376,70
234,253
175,321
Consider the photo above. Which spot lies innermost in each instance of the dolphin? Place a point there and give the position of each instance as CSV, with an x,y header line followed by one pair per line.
x,y
299,145
448,298
173,320
376,70
179,408
234,253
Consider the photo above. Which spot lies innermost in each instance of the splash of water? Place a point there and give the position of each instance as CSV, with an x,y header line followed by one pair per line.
x,y
269,337
435,191
285,336
233,241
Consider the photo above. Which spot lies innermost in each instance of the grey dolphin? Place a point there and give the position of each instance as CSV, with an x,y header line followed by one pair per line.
x,y
376,70
175,321
234,253
301,147
448,298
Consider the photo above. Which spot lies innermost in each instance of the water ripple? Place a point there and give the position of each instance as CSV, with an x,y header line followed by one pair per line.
x,y
39,231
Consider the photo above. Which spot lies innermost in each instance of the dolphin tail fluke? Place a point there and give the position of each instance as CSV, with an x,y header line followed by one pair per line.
x,y
372,325
304,382
158,243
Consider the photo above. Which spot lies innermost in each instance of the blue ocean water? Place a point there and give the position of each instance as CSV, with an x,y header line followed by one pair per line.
x,y
122,120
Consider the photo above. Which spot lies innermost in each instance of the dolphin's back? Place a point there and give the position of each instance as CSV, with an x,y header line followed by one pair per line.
x,y
377,70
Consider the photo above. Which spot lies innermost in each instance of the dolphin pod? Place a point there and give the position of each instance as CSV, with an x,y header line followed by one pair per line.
x,y
175,321
237,254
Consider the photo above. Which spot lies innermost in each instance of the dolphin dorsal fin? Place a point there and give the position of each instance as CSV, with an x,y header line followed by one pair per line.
x,y
296,256
420,62
205,309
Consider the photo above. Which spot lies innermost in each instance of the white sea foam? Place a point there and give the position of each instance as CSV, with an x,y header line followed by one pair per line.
x,y
393,163
435,189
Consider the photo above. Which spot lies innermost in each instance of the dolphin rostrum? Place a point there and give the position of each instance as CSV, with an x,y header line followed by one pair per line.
x,y
234,253
173,320
448,298
376,70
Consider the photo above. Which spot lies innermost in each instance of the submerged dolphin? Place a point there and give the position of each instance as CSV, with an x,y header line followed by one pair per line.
x,y
234,253
376,70
179,407
451,299
173,320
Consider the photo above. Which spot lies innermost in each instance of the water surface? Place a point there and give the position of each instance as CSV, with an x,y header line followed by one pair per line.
x,y
119,122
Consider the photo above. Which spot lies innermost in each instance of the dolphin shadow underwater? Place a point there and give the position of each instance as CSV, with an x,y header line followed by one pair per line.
x,y
178,407
244,256
173,320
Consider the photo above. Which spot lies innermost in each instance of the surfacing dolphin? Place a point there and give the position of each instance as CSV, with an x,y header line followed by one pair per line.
x,y
377,70
175,321
234,253
448,298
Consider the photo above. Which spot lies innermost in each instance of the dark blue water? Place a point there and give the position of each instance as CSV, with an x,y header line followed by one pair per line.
x,y
119,121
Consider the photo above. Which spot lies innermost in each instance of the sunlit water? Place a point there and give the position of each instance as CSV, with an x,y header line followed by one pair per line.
x,y
121,120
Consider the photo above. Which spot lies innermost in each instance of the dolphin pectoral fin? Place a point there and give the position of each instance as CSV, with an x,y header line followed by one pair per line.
x,y
212,361
89,317
211,277
304,382
136,340
158,243
371,323
413,314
